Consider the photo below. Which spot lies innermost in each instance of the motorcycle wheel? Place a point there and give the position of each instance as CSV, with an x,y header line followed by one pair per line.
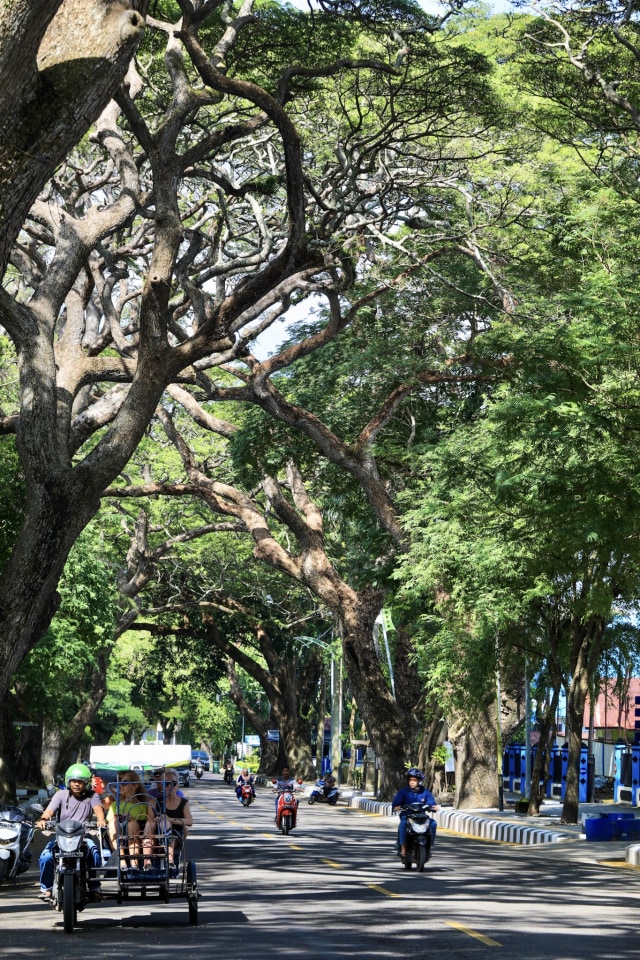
x,y
312,800
68,903
333,802
285,824
421,857
3,869
192,893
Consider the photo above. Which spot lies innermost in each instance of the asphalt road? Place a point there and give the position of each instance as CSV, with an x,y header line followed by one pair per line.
x,y
334,889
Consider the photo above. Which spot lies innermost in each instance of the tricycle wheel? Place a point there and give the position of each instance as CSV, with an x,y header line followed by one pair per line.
x,y
192,892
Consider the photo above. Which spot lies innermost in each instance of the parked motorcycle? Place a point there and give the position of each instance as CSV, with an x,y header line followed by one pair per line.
x,y
70,892
246,794
419,835
199,770
17,827
324,792
228,774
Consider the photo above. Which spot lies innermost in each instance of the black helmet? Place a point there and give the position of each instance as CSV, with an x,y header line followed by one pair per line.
x,y
414,772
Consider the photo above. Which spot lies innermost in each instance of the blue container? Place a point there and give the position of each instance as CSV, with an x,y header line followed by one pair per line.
x,y
598,828
612,826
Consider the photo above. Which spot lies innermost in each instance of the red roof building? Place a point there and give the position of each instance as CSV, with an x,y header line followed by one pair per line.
x,y
615,714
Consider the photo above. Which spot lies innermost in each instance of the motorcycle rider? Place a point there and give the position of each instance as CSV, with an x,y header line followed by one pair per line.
x,y
413,792
245,777
76,802
286,784
329,782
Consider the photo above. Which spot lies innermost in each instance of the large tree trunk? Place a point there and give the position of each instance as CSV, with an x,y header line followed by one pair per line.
x,y
50,530
61,61
53,760
476,764
586,645
28,755
391,731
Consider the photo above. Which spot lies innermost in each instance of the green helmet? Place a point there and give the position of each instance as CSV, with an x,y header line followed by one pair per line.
x,y
78,771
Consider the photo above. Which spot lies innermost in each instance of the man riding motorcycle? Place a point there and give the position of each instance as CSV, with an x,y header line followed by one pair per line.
x,y
286,784
76,802
413,792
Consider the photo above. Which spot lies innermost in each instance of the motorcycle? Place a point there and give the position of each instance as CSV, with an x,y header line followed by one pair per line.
x,y
16,833
246,794
323,793
199,770
228,774
419,835
70,892
287,809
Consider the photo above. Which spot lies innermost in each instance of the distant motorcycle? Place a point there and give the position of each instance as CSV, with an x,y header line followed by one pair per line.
x,y
17,827
419,836
246,794
228,774
199,770
324,793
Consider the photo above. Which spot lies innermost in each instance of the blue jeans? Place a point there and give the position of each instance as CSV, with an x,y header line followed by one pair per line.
x,y
47,864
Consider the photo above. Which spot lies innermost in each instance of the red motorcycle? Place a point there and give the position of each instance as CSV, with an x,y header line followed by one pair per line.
x,y
246,794
287,809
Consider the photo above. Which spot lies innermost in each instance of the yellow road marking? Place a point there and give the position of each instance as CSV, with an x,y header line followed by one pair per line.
x,y
387,893
473,933
294,847
332,863
270,835
245,827
617,863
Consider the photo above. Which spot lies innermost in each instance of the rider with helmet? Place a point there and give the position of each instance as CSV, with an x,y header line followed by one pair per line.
x,y
413,792
245,777
76,802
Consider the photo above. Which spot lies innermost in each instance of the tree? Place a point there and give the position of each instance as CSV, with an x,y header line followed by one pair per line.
x,y
62,682
61,61
183,226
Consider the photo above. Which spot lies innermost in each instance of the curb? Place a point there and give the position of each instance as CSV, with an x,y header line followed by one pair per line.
x,y
484,827
633,855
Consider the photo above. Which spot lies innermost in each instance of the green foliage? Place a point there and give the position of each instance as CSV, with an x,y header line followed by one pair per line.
x,y
56,678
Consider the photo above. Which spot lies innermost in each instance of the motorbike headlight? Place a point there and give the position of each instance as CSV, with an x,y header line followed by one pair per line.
x,y
419,827
7,836
69,844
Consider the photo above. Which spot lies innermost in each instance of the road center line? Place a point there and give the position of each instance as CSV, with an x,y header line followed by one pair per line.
x,y
387,893
332,863
473,933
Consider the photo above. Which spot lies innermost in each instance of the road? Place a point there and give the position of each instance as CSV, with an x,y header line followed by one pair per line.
x,y
333,889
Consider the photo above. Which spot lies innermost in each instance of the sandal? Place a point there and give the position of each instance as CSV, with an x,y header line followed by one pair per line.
x,y
45,896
